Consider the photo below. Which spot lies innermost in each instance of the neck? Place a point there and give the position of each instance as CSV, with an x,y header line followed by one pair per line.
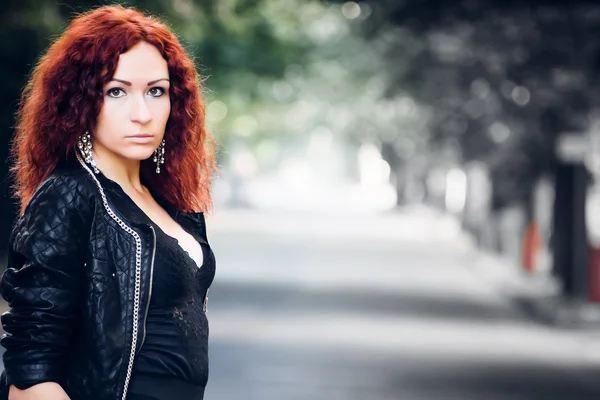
x,y
124,171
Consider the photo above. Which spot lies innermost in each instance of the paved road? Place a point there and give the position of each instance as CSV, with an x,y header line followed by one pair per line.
x,y
356,307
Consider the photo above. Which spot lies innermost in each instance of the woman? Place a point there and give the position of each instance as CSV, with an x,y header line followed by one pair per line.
x,y
109,265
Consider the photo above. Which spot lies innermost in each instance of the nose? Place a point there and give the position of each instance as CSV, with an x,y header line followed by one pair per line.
x,y
140,112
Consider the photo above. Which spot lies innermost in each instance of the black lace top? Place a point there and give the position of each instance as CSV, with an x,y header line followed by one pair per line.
x,y
176,342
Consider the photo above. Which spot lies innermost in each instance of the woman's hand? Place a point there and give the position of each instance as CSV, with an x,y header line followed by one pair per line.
x,y
41,391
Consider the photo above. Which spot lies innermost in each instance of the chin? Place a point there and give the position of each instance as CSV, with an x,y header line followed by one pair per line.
x,y
138,154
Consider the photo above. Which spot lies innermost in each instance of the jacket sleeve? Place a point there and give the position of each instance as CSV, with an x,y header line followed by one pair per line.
x,y
43,282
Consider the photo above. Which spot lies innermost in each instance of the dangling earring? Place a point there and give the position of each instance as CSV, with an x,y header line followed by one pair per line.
x,y
85,145
159,156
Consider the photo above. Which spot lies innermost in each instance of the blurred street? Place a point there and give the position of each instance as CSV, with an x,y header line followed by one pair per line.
x,y
374,307
407,193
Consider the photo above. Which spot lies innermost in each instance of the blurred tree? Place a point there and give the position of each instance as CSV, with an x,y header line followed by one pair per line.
x,y
243,48
495,72
505,79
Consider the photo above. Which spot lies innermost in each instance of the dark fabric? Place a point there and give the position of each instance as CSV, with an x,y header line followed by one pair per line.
x,y
176,341
151,387
70,284
42,282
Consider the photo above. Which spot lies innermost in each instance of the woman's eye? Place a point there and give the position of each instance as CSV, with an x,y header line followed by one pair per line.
x,y
156,91
115,92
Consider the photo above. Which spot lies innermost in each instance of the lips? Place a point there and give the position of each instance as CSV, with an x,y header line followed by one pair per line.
x,y
141,138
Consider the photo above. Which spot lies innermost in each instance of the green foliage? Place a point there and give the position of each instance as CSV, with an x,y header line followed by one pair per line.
x,y
239,46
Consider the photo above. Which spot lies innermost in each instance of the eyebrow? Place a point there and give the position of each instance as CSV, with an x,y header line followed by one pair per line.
x,y
127,83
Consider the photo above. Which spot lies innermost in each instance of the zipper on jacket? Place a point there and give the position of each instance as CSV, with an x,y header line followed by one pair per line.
x,y
138,275
150,290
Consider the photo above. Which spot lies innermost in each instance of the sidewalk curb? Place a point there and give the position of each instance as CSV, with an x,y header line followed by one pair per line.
x,y
561,312
536,295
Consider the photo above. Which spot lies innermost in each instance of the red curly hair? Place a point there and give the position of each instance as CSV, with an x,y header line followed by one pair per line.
x,y
63,99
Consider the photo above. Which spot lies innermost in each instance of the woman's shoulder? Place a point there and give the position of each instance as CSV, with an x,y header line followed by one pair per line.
x,y
67,183
64,190
61,209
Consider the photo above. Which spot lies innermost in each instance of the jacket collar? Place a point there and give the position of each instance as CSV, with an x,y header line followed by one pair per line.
x,y
190,219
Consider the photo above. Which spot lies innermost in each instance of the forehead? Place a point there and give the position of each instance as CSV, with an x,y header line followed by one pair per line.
x,y
141,62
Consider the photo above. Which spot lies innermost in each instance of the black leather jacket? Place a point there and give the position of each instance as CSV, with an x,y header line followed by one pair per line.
x,y
78,286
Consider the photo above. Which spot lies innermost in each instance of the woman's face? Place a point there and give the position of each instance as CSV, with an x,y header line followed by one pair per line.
x,y
136,102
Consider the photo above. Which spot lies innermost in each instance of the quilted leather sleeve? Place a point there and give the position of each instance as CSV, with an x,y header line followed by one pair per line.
x,y
43,281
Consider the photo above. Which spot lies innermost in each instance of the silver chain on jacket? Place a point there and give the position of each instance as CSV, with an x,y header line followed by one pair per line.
x,y
138,276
